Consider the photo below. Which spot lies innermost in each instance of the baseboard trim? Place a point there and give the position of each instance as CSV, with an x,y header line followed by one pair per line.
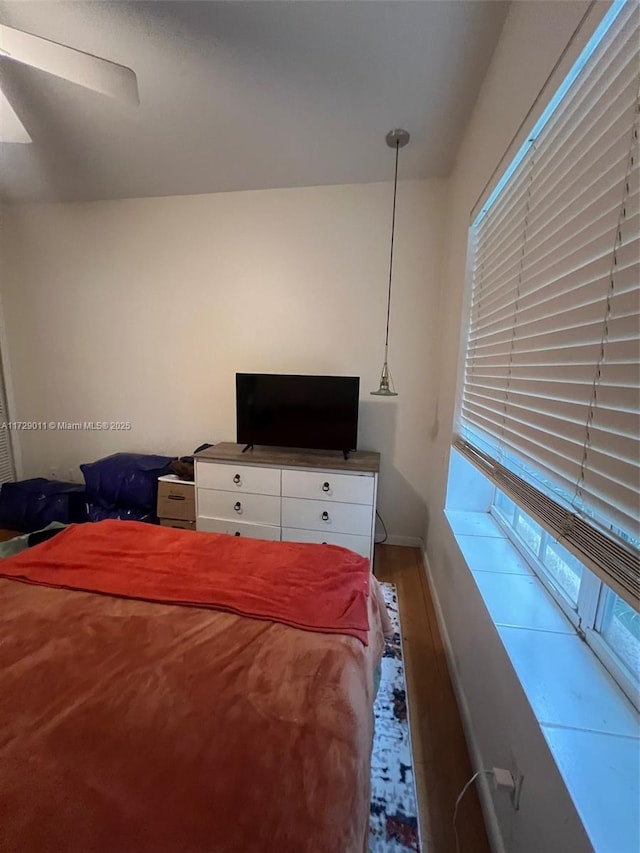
x,y
484,792
406,541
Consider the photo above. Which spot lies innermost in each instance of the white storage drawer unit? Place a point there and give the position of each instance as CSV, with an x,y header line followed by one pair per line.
x,y
347,488
239,528
239,478
359,544
256,509
326,515
282,493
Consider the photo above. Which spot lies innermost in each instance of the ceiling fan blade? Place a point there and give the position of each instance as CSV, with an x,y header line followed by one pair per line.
x,y
11,128
86,70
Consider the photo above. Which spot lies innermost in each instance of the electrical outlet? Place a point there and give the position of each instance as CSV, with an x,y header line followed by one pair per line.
x,y
53,473
503,779
507,780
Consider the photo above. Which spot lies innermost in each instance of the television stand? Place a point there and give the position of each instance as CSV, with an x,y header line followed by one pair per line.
x,y
250,447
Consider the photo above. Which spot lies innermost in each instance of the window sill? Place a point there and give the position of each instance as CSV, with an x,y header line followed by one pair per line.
x,y
591,728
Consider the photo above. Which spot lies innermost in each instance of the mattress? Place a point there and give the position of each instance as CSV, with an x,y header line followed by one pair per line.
x,y
133,725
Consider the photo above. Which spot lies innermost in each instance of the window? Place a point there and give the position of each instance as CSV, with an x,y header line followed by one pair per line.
x,y
620,629
549,408
604,620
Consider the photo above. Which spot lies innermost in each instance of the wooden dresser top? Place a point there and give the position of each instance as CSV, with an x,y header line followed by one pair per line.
x,y
360,461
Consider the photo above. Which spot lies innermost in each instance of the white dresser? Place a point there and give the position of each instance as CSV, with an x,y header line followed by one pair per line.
x,y
288,494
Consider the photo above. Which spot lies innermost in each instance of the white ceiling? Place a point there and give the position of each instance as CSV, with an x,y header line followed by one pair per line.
x,y
243,95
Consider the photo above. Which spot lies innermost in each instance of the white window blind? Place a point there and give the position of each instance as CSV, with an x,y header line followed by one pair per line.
x,y
550,400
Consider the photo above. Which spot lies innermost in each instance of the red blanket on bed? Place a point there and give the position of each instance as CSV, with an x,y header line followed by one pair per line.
x,y
314,587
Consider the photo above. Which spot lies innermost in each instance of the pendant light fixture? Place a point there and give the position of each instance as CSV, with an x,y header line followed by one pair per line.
x,y
395,139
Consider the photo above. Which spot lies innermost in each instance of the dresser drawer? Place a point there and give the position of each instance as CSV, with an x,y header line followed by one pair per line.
x,y
359,544
255,509
344,488
178,522
326,515
176,499
239,528
238,478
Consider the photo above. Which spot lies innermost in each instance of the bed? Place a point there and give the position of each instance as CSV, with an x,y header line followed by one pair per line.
x,y
165,690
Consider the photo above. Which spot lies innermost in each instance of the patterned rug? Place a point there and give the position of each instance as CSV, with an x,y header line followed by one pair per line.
x,y
394,811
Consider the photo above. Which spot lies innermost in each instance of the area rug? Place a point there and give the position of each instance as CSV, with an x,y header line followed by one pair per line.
x,y
394,811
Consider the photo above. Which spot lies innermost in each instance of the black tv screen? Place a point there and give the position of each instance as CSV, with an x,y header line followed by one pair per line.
x,y
313,412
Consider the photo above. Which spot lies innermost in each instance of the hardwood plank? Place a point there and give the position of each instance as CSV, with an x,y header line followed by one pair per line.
x,y
440,753
8,534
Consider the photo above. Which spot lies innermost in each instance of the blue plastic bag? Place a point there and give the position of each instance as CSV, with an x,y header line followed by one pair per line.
x,y
33,504
125,480
95,512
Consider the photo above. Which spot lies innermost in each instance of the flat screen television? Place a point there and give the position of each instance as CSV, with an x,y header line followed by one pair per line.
x,y
312,412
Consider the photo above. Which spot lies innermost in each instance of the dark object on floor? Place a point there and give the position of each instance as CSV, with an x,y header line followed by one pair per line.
x,y
42,535
126,481
32,504
19,542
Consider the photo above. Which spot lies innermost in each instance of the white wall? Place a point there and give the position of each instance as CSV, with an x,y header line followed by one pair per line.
x,y
501,727
143,310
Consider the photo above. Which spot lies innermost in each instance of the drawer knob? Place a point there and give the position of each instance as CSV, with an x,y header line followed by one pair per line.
x,y
325,516
237,533
237,506
326,487
237,480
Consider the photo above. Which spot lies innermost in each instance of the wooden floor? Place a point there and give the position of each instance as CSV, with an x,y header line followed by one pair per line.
x,y
8,534
439,749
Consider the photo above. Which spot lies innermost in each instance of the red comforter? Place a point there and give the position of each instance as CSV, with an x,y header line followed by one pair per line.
x,y
128,726
318,589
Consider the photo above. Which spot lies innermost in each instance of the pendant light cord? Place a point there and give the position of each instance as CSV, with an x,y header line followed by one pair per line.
x,y
393,231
